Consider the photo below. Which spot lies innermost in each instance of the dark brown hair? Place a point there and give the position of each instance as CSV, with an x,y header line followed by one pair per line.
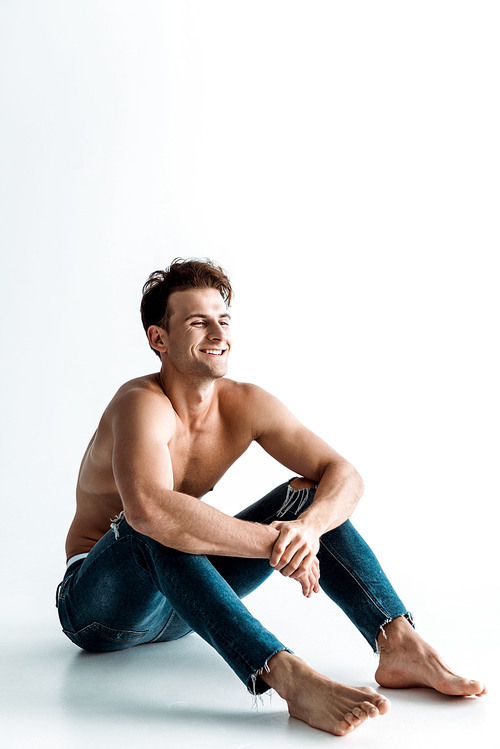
x,y
180,276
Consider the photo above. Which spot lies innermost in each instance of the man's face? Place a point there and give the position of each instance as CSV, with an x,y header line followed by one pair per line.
x,y
198,339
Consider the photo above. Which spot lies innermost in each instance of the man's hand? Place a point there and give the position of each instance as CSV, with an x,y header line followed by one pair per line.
x,y
310,580
294,554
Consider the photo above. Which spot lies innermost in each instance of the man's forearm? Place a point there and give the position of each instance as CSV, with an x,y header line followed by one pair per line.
x,y
185,523
339,491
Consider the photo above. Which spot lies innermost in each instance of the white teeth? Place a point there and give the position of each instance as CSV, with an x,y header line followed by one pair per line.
x,y
214,352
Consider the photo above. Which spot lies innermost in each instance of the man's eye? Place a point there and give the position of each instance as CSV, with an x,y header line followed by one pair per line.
x,y
198,322
224,322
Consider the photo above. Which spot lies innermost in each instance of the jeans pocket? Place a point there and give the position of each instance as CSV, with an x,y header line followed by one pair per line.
x,y
100,638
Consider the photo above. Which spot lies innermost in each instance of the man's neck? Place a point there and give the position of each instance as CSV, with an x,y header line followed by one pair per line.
x,y
191,400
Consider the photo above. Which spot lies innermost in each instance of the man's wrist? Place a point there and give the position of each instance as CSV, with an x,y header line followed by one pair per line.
x,y
313,522
266,538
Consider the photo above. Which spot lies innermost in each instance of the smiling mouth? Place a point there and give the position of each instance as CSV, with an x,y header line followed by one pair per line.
x,y
213,351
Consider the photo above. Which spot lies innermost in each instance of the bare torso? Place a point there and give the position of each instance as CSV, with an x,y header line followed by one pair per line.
x,y
200,457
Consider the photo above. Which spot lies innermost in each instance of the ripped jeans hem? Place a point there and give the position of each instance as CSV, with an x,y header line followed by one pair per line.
x,y
409,618
257,685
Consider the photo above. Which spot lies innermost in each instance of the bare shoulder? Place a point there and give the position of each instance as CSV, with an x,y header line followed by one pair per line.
x,y
239,395
141,399
253,404
146,384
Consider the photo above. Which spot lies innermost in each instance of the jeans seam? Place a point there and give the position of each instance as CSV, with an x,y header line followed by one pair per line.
x,y
101,628
354,577
162,630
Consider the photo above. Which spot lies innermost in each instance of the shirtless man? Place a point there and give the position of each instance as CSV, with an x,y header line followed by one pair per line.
x,y
170,563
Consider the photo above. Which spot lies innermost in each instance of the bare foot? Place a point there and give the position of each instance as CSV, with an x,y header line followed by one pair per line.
x,y
406,660
319,701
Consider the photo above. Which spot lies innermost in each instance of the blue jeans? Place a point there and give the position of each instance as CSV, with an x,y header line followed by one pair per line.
x,y
131,590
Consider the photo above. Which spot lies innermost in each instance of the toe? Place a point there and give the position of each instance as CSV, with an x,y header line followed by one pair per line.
x,y
477,687
480,690
383,706
369,708
351,719
359,712
459,687
344,728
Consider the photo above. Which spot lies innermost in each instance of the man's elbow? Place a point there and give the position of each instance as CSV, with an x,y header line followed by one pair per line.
x,y
358,483
146,519
138,516
354,480
350,478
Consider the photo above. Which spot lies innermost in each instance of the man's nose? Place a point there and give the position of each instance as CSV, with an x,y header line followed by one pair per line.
x,y
216,332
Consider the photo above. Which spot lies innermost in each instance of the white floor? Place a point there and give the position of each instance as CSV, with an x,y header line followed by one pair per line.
x,y
182,694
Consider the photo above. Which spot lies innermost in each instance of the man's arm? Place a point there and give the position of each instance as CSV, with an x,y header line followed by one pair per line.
x,y
339,484
142,426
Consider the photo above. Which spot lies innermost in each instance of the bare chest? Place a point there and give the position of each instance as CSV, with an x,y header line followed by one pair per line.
x,y
200,458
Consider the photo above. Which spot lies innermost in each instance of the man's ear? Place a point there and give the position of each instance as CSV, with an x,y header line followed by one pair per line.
x,y
158,338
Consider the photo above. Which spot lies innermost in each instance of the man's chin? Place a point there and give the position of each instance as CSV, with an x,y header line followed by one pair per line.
x,y
213,372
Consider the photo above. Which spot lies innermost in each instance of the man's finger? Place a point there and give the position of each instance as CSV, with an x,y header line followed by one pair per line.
x,y
279,547
284,551
303,567
291,567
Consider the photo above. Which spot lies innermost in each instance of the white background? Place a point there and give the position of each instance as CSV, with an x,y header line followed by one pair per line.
x,y
341,160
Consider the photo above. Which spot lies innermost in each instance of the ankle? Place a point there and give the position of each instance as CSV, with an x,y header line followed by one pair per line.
x,y
395,633
282,672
